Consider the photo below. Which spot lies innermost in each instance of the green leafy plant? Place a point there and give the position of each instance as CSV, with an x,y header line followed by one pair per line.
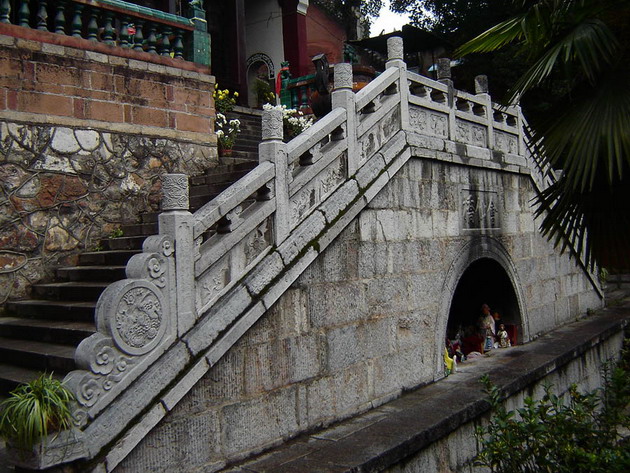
x,y
578,434
263,92
116,233
34,409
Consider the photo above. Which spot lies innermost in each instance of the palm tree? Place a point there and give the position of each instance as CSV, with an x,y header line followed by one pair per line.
x,y
580,48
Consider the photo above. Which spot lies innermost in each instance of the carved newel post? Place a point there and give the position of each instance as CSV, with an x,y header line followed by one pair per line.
x,y
343,97
444,71
139,317
395,52
481,84
177,222
396,58
481,90
274,150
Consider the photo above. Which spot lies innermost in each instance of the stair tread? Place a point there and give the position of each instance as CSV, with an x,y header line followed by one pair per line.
x,y
84,284
39,348
92,267
55,324
22,375
53,303
110,252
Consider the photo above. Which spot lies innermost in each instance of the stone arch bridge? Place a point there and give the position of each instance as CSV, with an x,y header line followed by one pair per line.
x,y
322,283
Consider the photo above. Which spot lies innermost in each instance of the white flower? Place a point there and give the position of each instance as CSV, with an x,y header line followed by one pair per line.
x,y
220,133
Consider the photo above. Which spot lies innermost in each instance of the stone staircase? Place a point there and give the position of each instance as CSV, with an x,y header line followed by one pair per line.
x,y
246,145
41,334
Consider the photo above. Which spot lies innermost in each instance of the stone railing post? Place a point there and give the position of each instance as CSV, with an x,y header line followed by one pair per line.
x,y
444,76
177,222
396,58
343,97
481,91
273,149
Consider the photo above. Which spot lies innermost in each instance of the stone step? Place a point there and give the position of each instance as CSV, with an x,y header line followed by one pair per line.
x,y
149,217
38,355
208,189
49,331
107,257
11,376
227,177
124,243
53,310
139,229
70,291
92,273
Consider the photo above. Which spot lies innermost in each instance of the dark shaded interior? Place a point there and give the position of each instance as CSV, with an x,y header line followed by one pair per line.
x,y
484,282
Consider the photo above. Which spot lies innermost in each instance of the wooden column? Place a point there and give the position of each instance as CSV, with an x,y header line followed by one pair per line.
x,y
294,32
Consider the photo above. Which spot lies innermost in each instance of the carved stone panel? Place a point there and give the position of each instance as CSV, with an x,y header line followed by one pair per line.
x,y
505,142
318,189
377,135
428,123
480,209
471,133
211,283
258,241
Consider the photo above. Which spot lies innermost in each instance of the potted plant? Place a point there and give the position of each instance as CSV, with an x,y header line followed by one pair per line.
x,y
33,410
227,131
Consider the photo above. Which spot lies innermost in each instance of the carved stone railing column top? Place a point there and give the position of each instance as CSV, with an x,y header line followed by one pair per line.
x,y
175,192
272,125
481,84
343,76
395,48
444,68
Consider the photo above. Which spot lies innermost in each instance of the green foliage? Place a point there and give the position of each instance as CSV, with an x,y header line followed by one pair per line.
x,y
263,92
578,435
116,233
34,409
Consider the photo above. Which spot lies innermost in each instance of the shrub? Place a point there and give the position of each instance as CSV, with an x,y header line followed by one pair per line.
x,y
549,435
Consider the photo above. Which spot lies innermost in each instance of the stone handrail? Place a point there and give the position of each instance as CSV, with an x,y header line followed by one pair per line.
x,y
117,23
200,284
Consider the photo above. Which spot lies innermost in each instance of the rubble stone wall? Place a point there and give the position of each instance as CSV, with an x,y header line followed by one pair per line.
x,y
367,318
62,189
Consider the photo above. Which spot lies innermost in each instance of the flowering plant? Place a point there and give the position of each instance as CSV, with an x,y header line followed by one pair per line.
x,y
224,101
293,121
227,131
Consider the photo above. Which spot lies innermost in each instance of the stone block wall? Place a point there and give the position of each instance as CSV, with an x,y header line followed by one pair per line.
x,y
84,139
366,320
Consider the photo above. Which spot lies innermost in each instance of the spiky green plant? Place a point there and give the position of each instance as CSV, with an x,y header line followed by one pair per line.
x,y
34,409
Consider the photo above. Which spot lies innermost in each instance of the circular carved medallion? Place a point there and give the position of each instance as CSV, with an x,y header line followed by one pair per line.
x,y
139,322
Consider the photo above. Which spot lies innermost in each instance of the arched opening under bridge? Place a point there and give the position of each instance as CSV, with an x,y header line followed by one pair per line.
x,y
484,281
